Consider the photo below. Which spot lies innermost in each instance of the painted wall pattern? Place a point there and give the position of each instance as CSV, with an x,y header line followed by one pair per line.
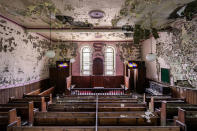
x,y
129,51
22,56
63,51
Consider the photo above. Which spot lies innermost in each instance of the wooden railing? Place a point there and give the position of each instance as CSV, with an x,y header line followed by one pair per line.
x,y
98,91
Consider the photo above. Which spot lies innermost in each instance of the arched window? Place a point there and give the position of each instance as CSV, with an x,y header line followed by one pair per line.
x,y
109,60
86,60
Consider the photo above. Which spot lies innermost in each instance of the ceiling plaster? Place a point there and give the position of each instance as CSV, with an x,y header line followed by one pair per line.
x,y
79,9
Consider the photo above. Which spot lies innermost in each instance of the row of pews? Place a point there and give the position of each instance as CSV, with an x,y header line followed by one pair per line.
x,y
96,113
99,113
20,111
174,111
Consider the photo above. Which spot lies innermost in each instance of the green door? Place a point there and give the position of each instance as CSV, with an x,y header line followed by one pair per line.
x,y
165,75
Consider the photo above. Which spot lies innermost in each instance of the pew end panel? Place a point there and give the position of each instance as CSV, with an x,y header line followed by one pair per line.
x,y
163,113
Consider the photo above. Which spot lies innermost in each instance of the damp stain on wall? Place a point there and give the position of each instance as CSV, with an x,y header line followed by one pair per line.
x,y
129,51
179,50
64,51
22,55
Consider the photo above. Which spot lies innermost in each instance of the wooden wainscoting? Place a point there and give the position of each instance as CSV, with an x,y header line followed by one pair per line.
x,y
188,93
18,92
96,81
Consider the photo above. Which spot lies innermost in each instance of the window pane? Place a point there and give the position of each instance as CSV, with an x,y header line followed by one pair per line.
x,y
109,73
86,72
86,61
109,67
109,49
109,55
109,61
86,67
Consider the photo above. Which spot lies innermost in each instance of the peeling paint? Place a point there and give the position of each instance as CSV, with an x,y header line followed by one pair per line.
x,y
22,55
129,51
179,50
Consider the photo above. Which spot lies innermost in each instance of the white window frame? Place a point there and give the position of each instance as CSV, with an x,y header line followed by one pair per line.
x,y
81,61
114,61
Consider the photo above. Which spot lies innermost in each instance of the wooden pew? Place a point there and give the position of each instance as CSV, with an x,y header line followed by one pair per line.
x,y
137,118
88,119
92,128
7,118
157,102
86,107
47,94
170,109
147,98
39,102
99,101
64,118
187,119
35,92
24,110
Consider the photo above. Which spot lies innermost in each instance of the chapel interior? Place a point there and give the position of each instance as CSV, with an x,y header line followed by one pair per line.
x,y
98,65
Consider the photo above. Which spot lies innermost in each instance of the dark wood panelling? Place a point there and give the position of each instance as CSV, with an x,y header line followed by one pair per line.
x,y
97,81
58,79
92,81
18,92
81,81
190,94
113,81
138,73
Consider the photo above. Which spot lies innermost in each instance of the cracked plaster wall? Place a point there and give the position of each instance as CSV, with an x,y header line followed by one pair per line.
x,y
177,51
22,56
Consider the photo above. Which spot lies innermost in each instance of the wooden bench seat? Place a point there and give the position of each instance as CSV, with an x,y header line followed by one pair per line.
x,y
102,107
92,128
64,118
126,119
7,118
107,100
47,94
187,119
147,98
169,110
35,92
47,99
39,102
157,102
88,118
24,110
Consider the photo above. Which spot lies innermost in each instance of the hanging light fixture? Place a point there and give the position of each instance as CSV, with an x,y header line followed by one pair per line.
x,y
50,53
151,56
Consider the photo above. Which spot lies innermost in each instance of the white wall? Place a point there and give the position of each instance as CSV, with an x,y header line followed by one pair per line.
x,y
22,56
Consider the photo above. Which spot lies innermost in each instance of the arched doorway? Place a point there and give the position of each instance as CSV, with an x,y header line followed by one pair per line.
x,y
97,66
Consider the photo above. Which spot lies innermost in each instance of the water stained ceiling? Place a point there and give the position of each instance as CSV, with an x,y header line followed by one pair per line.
x,y
35,15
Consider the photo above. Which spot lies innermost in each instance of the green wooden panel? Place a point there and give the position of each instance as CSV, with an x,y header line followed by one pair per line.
x,y
165,75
